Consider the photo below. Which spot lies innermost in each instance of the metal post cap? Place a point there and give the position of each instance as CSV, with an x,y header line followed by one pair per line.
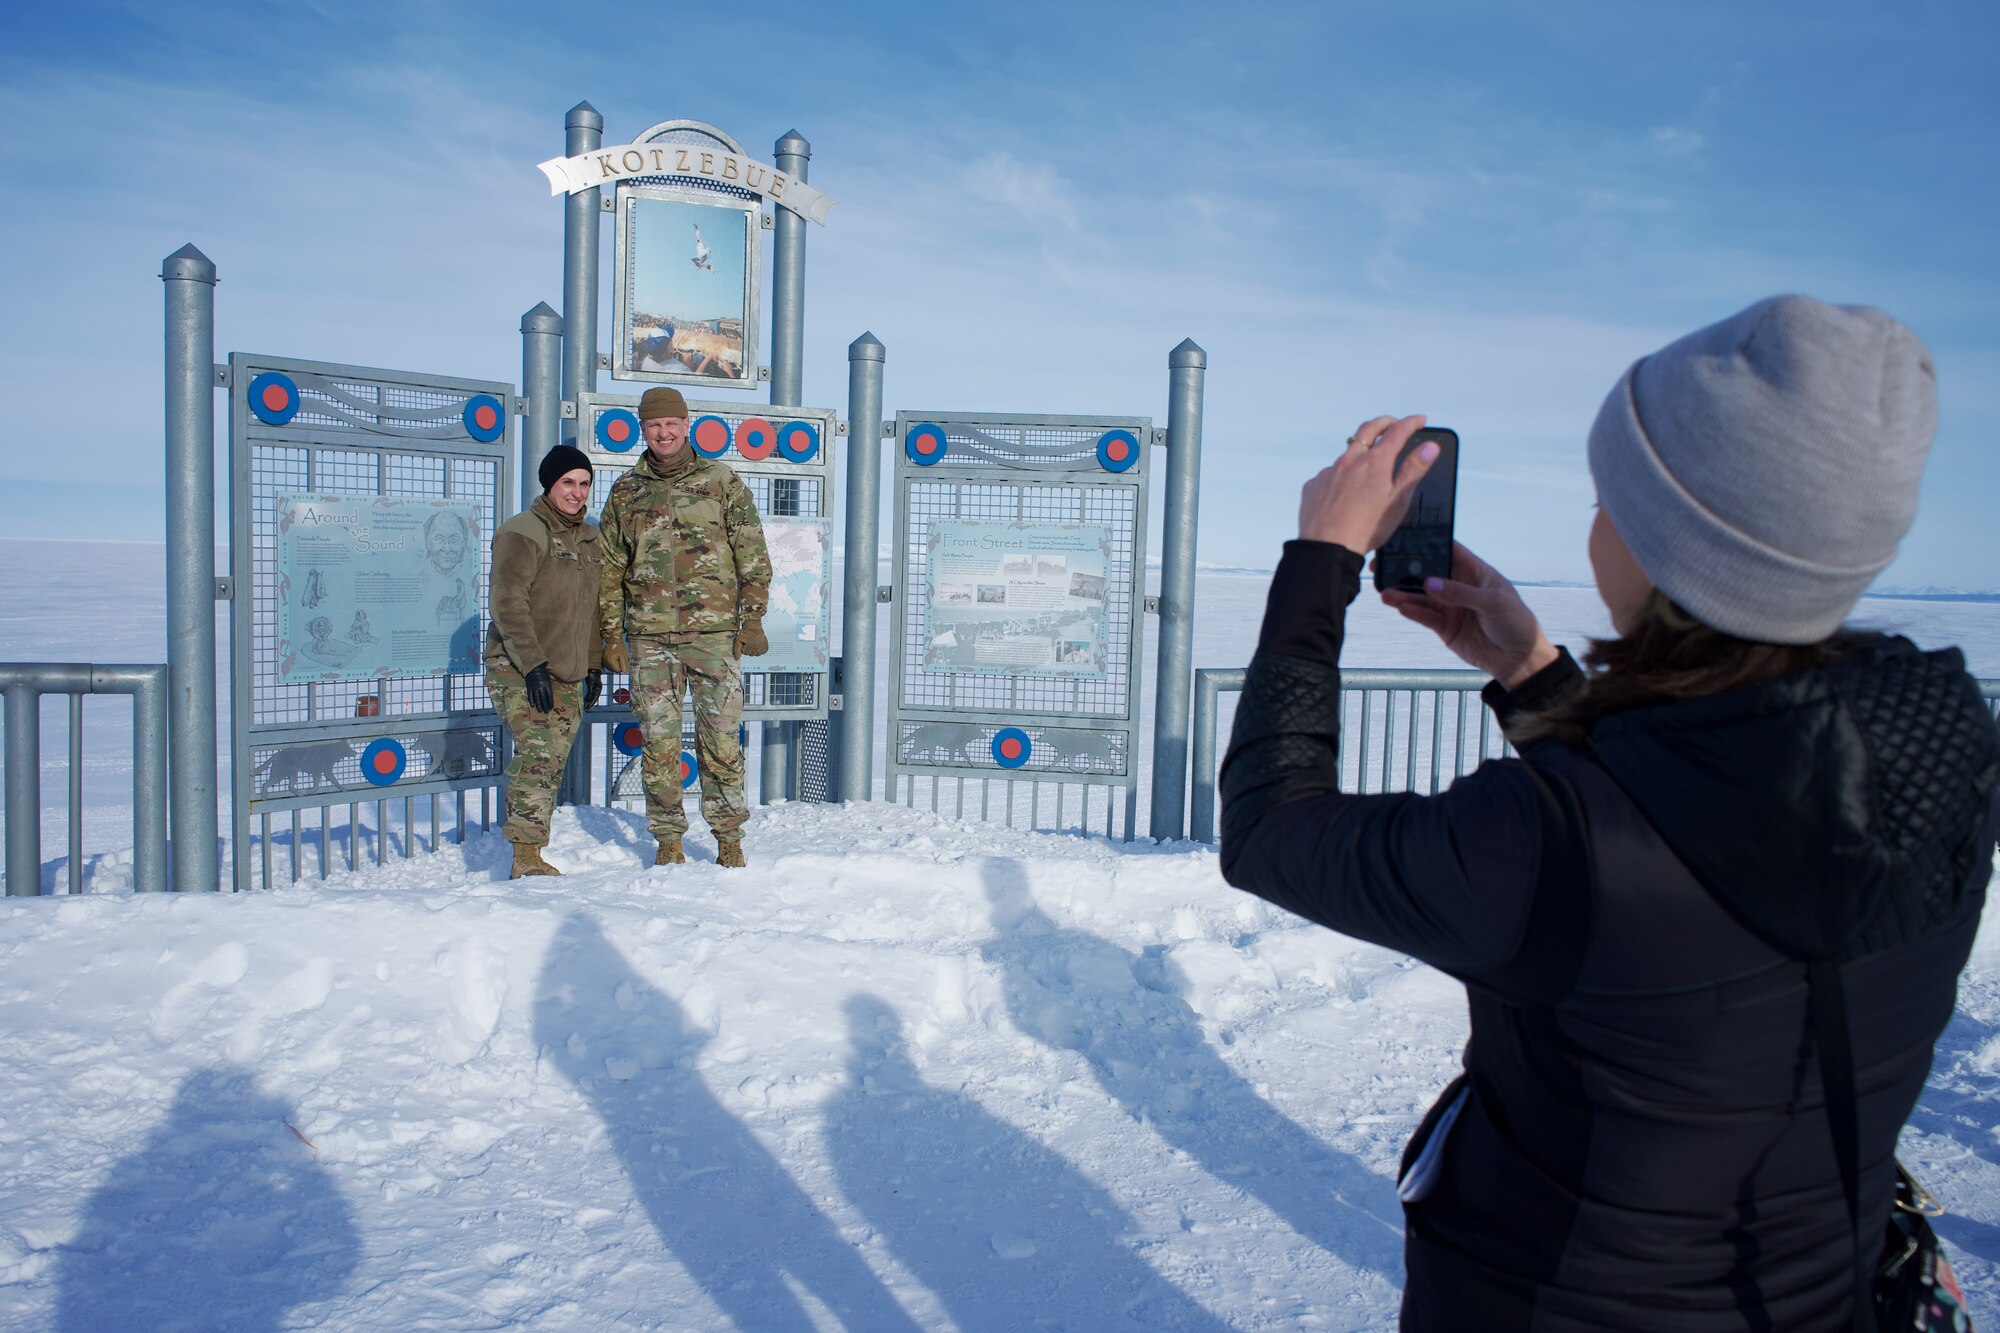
x,y
188,264
1188,356
583,116
542,319
867,348
793,144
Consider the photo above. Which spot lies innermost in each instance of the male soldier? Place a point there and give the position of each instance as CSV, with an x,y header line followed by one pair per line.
x,y
687,577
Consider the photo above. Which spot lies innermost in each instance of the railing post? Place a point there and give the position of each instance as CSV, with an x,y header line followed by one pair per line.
x,y
1208,687
584,131
149,781
865,360
190,411
1187,365
24,791
788,322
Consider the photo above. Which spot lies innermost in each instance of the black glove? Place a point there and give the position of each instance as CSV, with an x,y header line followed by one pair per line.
x,y
541,690
593,686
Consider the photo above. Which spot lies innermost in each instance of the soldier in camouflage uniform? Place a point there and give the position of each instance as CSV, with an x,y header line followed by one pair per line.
x,y
686,575
543,653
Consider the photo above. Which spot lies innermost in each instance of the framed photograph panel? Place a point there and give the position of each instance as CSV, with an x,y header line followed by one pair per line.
x,y
689,281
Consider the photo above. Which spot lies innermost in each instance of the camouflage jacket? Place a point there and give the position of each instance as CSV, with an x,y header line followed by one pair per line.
x,y
683,549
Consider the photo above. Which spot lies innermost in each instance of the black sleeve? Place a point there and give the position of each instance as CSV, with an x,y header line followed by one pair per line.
x,y
1450,879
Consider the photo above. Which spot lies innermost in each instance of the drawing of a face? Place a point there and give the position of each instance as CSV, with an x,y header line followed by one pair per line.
x,y
445,540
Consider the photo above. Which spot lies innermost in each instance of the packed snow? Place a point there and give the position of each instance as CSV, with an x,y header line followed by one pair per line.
x,y
903,1072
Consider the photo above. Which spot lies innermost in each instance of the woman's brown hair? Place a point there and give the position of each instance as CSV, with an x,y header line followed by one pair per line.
x,y
1669,656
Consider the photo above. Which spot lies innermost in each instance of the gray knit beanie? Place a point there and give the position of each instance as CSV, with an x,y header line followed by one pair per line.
x,y
1763,469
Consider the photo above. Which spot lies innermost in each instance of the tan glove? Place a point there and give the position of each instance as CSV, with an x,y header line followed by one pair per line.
x,y
614,657
750,639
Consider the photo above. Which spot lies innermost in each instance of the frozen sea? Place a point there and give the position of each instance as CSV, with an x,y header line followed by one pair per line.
x,y
905,1072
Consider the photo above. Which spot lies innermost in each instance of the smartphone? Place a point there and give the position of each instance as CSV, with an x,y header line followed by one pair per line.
x,y
1420,547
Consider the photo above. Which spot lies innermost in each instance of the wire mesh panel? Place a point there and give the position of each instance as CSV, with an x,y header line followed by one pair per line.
x,y
785,456
1019,581
386,742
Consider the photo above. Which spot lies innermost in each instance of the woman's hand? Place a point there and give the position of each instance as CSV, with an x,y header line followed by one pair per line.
x,y
1479,617
1358,501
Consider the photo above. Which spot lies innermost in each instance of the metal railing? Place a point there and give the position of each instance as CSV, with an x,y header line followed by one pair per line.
x,y
23,684
1407,738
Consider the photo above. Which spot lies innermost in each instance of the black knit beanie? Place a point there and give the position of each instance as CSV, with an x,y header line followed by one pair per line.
x,y
562,459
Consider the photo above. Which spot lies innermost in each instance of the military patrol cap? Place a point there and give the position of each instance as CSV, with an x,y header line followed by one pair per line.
x,y
662,402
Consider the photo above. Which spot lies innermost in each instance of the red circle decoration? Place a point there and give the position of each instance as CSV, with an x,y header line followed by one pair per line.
x,y
798,441
1010,748
484,418
274,399
383,761
710,436
621,695
755,439
690,770
926,444
630,738
618,430
1117,450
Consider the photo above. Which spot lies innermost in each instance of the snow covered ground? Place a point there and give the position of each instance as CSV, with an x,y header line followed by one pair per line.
x,y
904,1071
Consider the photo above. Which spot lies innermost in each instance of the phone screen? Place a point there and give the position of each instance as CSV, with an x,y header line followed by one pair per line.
x,y
1420,547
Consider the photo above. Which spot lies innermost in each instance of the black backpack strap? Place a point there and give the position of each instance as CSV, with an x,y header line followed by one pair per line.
x,y
1827,998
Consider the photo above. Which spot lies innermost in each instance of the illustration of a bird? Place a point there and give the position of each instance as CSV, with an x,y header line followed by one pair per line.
x,y
700,259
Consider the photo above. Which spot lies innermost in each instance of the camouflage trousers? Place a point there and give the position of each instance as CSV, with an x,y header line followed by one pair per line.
x,y
704,668
541,748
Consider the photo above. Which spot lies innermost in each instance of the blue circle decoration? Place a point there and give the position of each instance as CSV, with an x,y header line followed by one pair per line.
x,y
690,769
926,444
798,441
617,430
629,737
710,436
1117,450
274,398
384,761
1011,747
485,417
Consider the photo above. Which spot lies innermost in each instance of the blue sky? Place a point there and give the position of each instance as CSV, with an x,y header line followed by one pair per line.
x,y
1481,211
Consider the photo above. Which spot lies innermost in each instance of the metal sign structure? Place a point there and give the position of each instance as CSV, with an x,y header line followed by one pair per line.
x,y
303,436
689,259
1019,586
785,456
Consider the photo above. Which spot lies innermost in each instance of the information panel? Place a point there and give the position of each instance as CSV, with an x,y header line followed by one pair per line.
x,y
1017,598
799,618
376,585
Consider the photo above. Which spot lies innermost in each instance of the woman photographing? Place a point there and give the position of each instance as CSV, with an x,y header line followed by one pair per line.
x,y
1711,921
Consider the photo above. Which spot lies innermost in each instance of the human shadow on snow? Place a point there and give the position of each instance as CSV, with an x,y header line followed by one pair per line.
x,y
722,1204
220,1220
1124,1014
1004,1231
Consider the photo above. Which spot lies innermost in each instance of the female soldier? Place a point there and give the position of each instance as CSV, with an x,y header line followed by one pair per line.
x,y
543,654
1711,921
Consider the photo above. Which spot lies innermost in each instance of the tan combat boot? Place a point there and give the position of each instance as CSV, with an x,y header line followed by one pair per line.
x,y
729,850
528,861
669,853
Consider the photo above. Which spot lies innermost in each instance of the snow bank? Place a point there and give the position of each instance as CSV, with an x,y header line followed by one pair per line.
x,y
902,1072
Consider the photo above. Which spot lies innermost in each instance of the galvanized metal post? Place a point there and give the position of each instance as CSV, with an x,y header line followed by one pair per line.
x,y
788,327
24,791
581,225
190,406
1187,365
856,778
1208,687
541,383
